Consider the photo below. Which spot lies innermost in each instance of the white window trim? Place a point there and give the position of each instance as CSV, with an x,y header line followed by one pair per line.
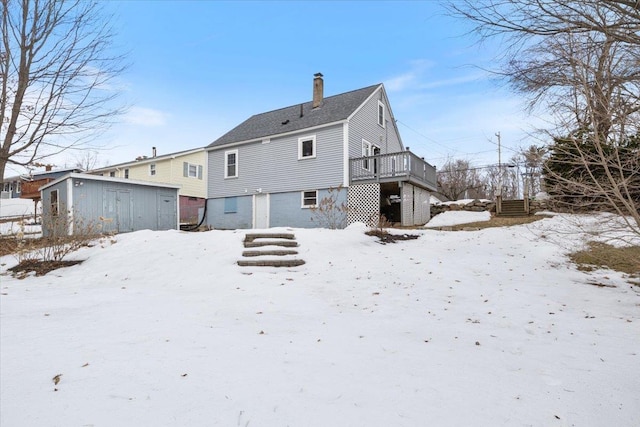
x,y
366,163
195,175
311,138
57,203
153,169
226,164
315,205
384,114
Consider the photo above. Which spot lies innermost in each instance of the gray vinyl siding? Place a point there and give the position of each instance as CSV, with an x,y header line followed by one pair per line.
x,y
242,218
287,211
364,125
274,167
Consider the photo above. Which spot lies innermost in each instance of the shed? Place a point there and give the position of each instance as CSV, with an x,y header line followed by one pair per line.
x,y
115,205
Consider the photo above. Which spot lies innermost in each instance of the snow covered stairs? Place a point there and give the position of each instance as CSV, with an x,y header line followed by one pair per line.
x,y
270,250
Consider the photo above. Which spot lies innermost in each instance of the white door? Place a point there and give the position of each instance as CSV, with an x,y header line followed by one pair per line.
x,y
261,211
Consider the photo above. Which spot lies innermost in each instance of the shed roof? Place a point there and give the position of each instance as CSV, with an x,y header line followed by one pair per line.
x,y
333,109
89,177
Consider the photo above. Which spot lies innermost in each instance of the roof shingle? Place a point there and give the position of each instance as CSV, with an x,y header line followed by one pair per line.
x,y
333,109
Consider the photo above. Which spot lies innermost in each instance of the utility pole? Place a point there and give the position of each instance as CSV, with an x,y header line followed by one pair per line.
x,y
499,164
499,152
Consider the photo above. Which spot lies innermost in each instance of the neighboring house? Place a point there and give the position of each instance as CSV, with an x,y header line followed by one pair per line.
x,y
11,187
30,184
275,167
187,169
84,201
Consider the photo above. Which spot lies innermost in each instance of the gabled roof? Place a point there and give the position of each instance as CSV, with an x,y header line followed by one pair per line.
x,y
147,160
333,109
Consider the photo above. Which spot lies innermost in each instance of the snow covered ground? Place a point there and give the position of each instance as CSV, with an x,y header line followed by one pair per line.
x,y
16,216
472,328
449,218
16,207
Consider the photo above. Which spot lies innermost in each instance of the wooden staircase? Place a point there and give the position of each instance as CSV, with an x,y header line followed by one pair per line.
x,y
513,208
268,250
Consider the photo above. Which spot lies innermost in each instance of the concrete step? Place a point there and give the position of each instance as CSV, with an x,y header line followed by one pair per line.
x,y
283,243
282,252
262,240
252,236
270,263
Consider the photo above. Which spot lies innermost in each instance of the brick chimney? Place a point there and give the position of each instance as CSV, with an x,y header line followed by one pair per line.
x,y
318,89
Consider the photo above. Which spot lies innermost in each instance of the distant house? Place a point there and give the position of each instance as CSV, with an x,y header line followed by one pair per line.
x,y
184,168
113,204
275,167
30,184
11,187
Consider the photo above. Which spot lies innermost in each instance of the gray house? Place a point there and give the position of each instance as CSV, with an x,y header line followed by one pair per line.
x,y
275,167
115,205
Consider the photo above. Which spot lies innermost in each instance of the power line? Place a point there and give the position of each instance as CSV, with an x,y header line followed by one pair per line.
x,y
425,137
509,165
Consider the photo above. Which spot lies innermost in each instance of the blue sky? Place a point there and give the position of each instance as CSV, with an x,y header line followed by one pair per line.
x,y
199,68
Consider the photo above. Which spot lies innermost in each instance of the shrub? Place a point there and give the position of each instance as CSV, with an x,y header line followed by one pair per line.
x,y
329,213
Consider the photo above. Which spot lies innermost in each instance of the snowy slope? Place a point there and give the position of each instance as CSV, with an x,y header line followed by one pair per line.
x,y
481,328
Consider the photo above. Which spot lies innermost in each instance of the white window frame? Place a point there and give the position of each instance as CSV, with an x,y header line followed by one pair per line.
x,y
126,173
303,139
384,113
112,174
152,169
195,170
18,187
367,151
54,204
226,164
303,198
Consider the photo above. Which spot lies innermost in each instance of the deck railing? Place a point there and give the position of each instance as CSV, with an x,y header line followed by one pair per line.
x,y
402,166
31,189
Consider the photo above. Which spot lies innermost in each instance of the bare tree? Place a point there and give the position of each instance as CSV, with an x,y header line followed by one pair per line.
x,y
533,159
58,69
86,160
501,179
580,61
457,179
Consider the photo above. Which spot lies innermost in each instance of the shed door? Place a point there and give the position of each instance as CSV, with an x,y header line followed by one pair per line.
x,y
167,212
117,211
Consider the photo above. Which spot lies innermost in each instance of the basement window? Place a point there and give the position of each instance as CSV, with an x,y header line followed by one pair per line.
x,y
310,199
230,204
